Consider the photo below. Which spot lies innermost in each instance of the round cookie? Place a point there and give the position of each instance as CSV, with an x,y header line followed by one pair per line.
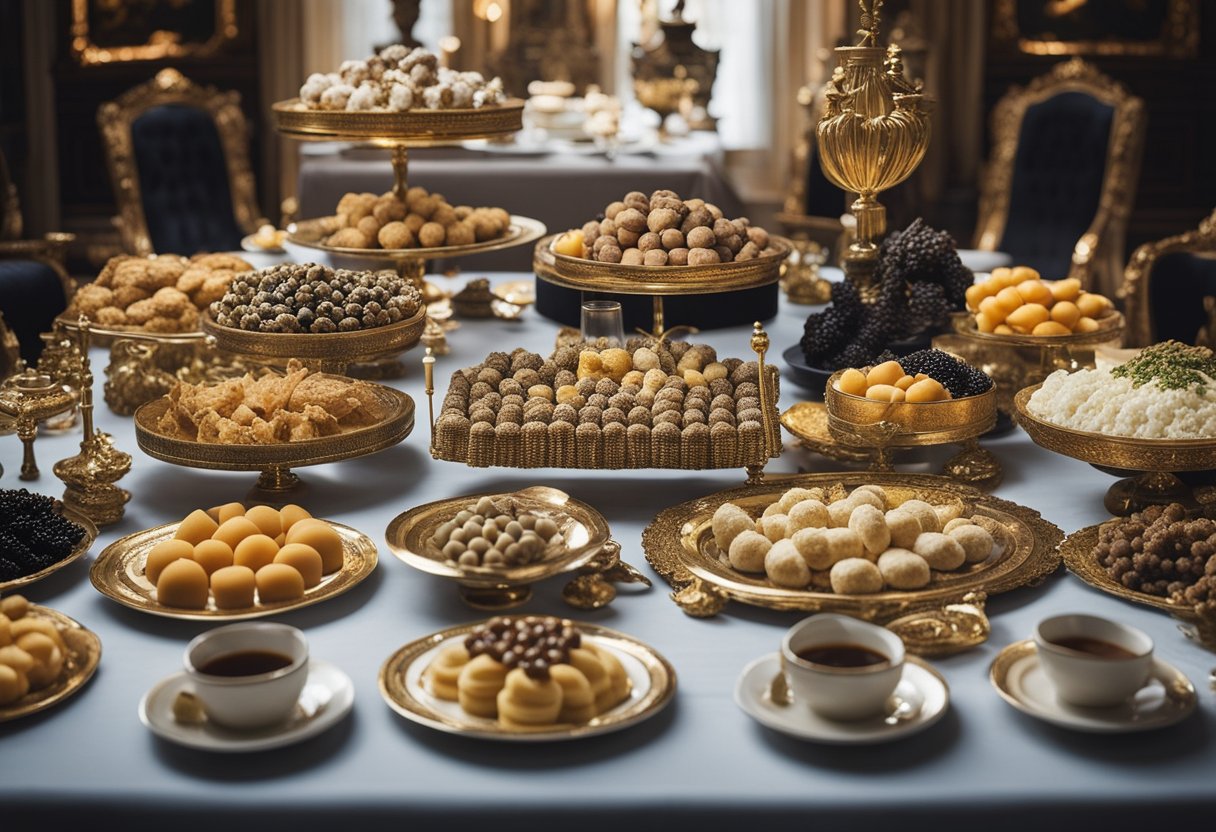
x,y
941,551
785,566
903,526
747,551
902,569
807,514
977,542
233,587
855,576
729,521
869,524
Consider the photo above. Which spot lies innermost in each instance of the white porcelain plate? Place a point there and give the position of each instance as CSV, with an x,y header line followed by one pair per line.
x,y
328,696
921,691
1018,677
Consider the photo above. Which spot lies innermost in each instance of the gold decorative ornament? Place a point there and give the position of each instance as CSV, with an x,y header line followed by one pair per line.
x,y
161,45
595,588
1157,460
672,74
1097,258
91,474
79,665
170,87
435,338
953,629
60,359
1136,289
801,280
475,300
679,546
118,574
30,397
873,133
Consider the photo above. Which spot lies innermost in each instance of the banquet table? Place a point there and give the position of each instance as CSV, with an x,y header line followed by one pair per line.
x,y
561,188
700,764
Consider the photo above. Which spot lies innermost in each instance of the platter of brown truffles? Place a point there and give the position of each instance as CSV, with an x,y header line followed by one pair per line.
x,y
652,404
662,245
495,545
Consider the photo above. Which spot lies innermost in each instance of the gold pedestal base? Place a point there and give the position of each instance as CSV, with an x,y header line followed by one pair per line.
x,y
1134,494
495,598
103,503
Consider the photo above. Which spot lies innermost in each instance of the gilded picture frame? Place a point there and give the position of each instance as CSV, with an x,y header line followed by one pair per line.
x,y
1076,27
161,44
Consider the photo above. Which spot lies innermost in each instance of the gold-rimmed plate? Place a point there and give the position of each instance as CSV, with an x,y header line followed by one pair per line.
x,y
78,551
679,545
312,233
84,654
118,573
412,128
1077,550
652,677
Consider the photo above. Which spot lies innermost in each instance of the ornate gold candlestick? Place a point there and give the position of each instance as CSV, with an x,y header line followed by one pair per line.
x,y
91,474
30,397
873,133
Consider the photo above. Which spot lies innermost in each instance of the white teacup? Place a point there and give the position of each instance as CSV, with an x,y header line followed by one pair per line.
x,y
1075,651
842,693
248,700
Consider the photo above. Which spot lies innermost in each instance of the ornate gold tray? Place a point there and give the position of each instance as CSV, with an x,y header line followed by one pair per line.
x,y
415,128
333,350
84,654
118,573
593,276
1110,328
585,530
90,535
679,545
102,335
653,678
275,460
309,233
808,422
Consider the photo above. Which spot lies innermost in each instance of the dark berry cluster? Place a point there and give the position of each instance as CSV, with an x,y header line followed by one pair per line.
x,y
308,297
1160,551
33,535
959,377
920,282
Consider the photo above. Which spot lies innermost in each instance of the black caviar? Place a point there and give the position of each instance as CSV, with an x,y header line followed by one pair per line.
x,y
959,377
33,535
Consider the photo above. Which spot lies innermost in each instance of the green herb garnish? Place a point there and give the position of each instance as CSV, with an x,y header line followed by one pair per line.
x,y
1173,365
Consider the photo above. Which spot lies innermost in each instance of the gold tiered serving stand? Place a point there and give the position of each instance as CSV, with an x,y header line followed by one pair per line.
x,y
586,275
1152,463
398,132
276,461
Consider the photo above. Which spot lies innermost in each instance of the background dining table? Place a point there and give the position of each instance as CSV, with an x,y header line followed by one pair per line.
x,y
700,764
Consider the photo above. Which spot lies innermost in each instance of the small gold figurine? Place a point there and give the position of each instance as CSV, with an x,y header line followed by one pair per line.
x,y
30,397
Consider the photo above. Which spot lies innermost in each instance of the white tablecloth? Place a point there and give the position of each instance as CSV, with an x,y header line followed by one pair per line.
x,y
702,764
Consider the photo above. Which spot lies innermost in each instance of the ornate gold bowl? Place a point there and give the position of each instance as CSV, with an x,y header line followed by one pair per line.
x,y
862,422
1110,328
310,233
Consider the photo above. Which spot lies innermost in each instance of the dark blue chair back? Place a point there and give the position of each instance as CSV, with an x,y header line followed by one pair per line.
x,y
1179,283
31,295
1057,180
183,181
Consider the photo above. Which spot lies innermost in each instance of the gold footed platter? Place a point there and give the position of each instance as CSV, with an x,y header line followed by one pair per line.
x,y
78,551
118,574
79,665
1156,460
411,128
275,461
588,549
652,678
946,616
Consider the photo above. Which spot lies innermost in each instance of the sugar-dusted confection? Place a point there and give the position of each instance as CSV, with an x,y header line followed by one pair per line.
x,y
729,521
233,587
279,582
321,536
164,553
844,544
478,685
855,576
785,566
814,547
924,512
442,675
13,684
198,526
870,525
183,584
902,569
839,513
266,518
794,496
977,542
291,514
255,551
235,529
213,555
903,526
940,550
806,514
957,522
864,496
774,527
14,606
304,559
747,551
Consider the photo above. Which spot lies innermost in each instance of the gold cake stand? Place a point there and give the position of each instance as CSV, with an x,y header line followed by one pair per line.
x,y
1153,463
859,422
586,275
589,550
275,461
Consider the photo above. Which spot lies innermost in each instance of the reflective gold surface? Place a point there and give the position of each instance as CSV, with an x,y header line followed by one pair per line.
x,y
414,703
84,654
78,551
413,128
1110,328
310,233
679,545
862,422
118,573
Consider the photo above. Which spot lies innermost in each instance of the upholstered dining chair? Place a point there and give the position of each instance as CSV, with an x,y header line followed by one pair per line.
x,y
34,282
1060,184
1169,289
178,156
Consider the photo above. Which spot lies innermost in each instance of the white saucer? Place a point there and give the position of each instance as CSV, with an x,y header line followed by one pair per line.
x,y
328,696
920,683
1168,697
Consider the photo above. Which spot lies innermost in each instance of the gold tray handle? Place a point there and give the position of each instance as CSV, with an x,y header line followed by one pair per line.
x,y
951,629
594,588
